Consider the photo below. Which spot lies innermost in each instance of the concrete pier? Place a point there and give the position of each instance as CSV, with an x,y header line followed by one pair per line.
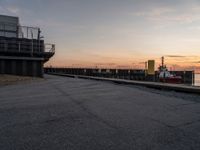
x,y
130,74
79,114
156,85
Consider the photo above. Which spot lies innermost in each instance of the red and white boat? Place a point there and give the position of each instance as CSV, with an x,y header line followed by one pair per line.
x,y
166,76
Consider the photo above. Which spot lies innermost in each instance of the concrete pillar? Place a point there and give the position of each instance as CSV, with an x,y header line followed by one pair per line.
x,y
13,67
42,68
24,68
35,69
2,65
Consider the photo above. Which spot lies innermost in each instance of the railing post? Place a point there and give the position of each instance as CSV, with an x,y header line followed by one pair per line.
x,y
39,45
4,28
19,46
27,33
32,47
5,46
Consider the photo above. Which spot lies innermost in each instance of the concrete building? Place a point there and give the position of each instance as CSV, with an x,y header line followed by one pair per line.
x,y
8,26
22,49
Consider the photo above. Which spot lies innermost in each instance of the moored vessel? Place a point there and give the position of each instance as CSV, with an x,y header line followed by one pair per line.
x,y
166,76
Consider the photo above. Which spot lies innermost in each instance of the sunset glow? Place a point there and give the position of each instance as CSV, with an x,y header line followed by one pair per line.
x,y
115,33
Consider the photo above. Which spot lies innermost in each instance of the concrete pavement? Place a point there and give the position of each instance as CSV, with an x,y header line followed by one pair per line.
x,y
78,114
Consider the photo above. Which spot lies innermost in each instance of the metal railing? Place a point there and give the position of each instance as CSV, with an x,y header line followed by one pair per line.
x,y
15,38
17,31
32,46
49,47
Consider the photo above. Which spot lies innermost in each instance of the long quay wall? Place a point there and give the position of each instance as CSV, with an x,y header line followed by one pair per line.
x,y
155,85
129,74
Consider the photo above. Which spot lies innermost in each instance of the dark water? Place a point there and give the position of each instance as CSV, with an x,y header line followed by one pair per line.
x,y
197,80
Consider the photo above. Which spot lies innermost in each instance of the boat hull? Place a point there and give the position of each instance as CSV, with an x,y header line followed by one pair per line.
x,y
171,80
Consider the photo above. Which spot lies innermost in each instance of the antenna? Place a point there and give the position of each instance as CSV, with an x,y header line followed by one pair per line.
x,y
162,59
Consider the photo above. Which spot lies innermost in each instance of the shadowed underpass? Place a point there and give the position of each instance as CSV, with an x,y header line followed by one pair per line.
x,y
78,114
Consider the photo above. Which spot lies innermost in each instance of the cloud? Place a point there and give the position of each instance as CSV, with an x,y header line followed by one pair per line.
x,y
3,10
10,10
169,14
105,64
196,62
156,12
175,56
13,9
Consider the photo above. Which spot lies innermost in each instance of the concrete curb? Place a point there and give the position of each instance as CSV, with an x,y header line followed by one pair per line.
x,y
155,85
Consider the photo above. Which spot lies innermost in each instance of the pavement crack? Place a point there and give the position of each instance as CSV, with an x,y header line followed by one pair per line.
x,y
162,123
188,123
187,104
85,109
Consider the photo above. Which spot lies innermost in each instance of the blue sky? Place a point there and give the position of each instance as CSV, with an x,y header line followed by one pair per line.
x,y
114,32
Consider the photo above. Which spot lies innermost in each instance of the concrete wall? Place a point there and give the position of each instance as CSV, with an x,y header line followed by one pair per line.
x,y
130,74
22,67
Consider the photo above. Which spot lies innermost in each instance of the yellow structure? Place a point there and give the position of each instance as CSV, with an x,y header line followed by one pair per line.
x,y
151,67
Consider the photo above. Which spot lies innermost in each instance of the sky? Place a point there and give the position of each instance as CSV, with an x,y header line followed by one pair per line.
x,y
115,33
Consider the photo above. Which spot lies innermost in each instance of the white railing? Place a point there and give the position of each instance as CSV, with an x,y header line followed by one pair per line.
x,y
49,47
28,39
32,47
13,30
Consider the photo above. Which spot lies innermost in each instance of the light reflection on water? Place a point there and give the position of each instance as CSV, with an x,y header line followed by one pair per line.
x,y
197,80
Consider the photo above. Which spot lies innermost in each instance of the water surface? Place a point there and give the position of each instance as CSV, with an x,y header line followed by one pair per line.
x,y
197,80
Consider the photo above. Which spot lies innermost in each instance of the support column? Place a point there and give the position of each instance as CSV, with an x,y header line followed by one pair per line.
x,y
13,67
41,68
2,69
34,69
24,68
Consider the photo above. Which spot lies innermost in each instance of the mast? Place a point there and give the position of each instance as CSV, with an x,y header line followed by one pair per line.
x,y
162,59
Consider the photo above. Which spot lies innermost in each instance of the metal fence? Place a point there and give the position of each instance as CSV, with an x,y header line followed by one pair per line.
x,y
17,31
14,38
24,45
